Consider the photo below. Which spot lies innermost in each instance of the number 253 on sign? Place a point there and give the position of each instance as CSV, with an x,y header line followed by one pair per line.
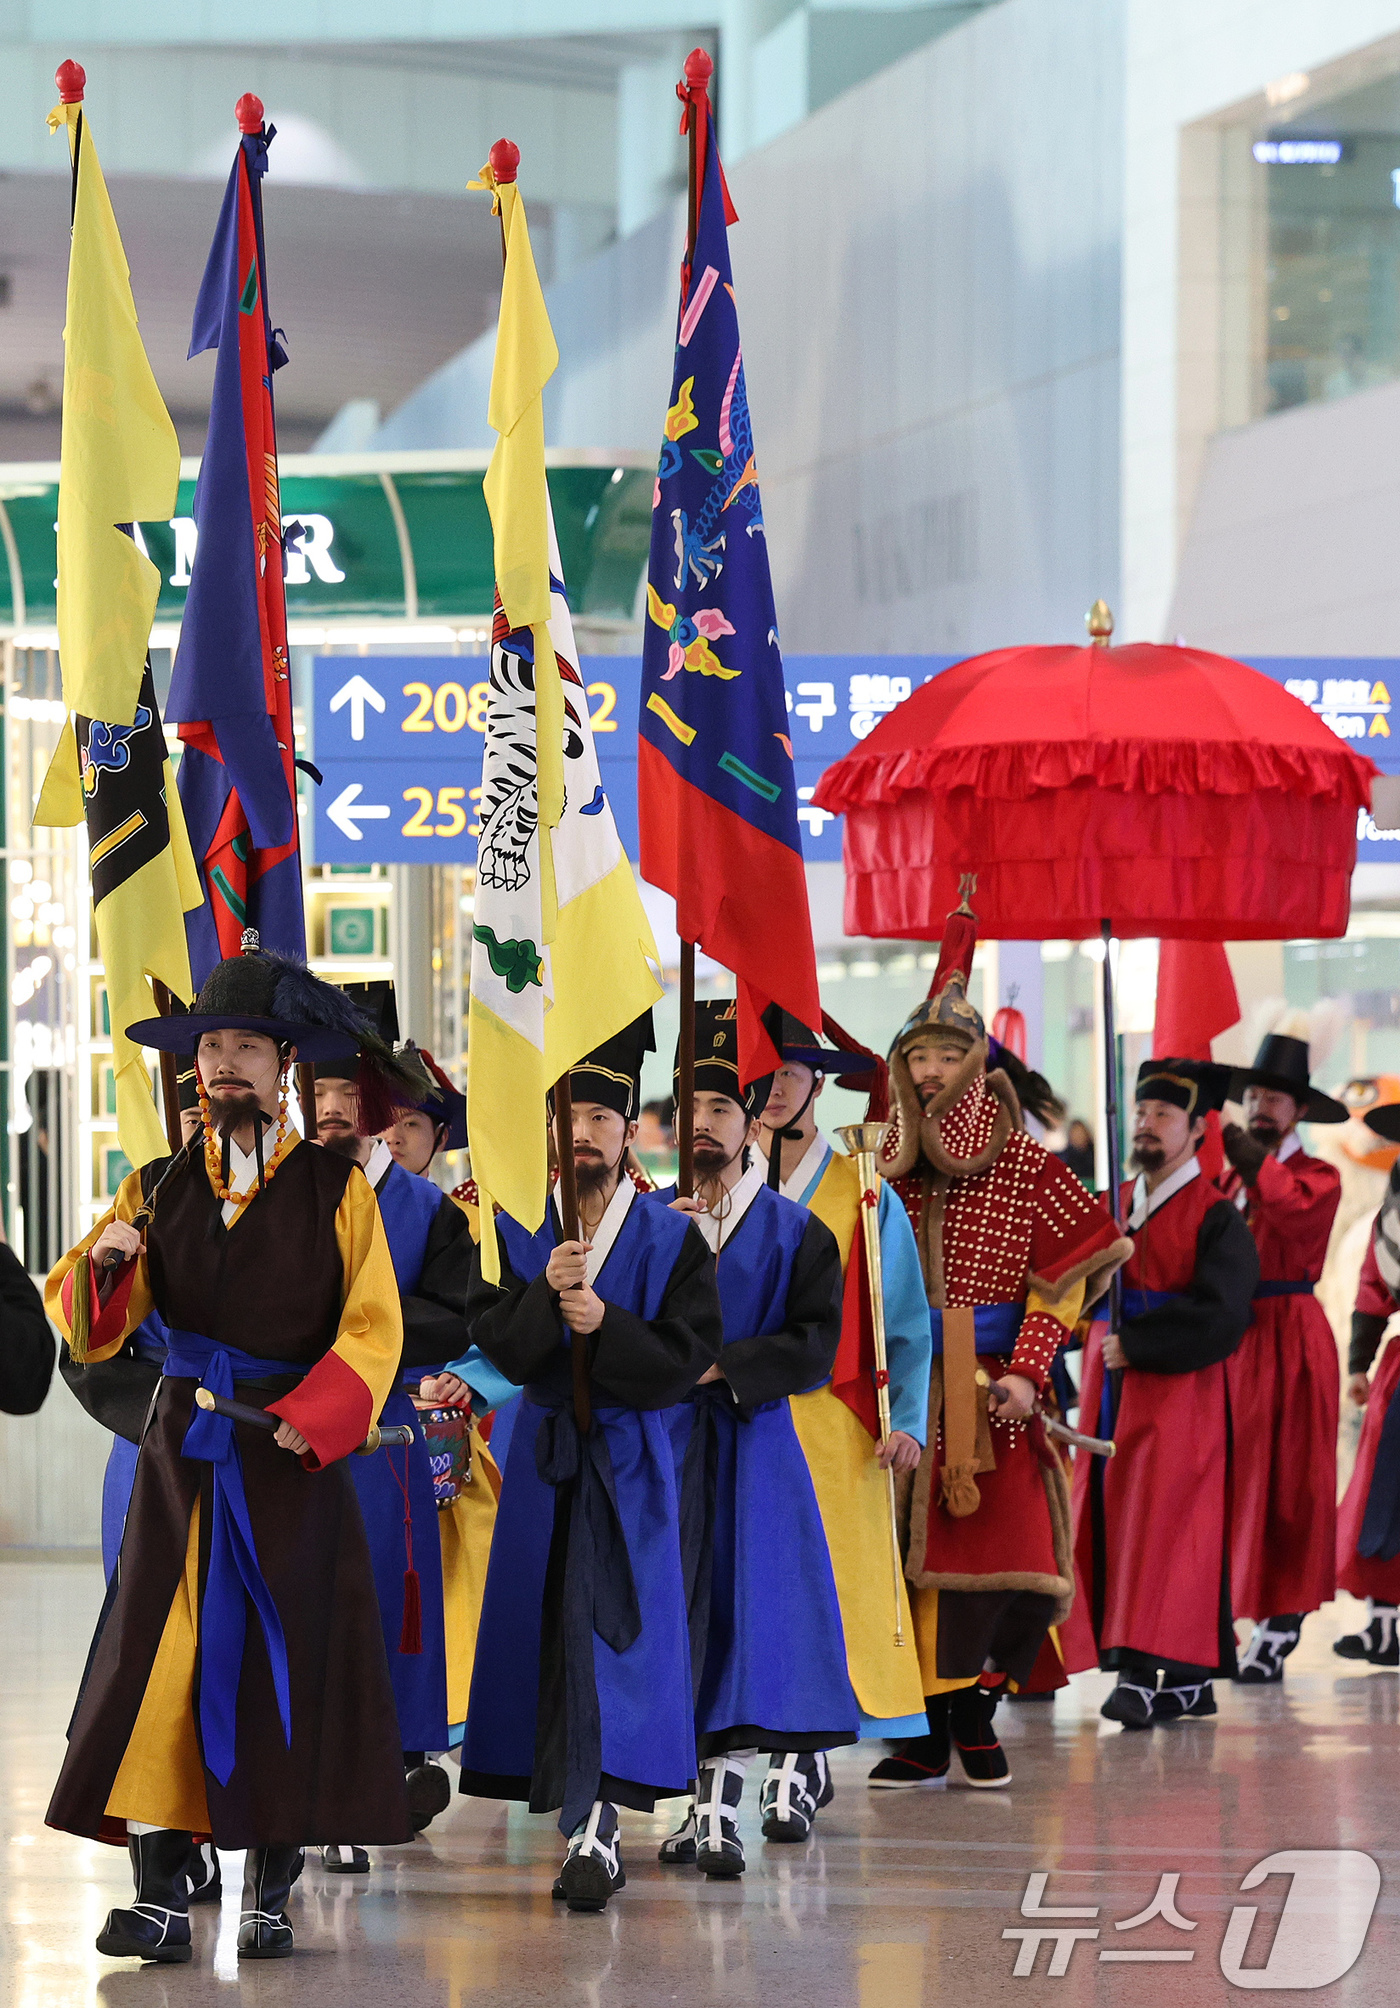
x,y
441,812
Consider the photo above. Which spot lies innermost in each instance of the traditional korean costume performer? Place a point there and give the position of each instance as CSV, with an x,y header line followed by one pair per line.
x,y
1152,1525
437,1121
832,1422
581,1696
269,1727
1010,1242
430,1247
766,1640
1284,1378
1368,1520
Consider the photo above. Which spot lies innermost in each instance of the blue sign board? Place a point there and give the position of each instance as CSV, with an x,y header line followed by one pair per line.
x,y
398,740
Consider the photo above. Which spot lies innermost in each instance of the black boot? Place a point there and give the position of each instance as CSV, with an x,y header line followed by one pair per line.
x,y
1133,1700
970,1718
719,1852
264,1931
1377,1645
157,1926
1172,1704
202,1873
592,1870
919,1760
429,1793
1274,1638
796,1787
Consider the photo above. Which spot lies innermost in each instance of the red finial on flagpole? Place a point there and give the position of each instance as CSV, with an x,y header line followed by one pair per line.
x,y
698,70
505,160
71,78
249,113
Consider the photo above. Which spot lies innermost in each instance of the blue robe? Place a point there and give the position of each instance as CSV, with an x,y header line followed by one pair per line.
x,y
773,1672
409,1206
582,1687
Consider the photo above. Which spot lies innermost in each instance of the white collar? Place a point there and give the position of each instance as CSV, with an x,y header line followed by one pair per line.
x,y
1145,1203
609,1226
718,1228
795,1185
378,1164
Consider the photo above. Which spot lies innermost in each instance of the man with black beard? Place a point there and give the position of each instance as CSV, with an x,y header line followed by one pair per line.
x,y
581,1695
431,1249
1284,1381
767,1645
1152,1529
237,1686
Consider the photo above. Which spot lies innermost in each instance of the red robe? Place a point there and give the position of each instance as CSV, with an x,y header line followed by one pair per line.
x,y
1368,1575
1151,1524
1023,1221
1285,1383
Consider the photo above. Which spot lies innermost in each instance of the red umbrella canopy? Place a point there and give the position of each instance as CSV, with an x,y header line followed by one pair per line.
x,y
1166,790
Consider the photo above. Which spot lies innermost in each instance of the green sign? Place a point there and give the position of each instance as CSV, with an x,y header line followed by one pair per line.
x,y
380,535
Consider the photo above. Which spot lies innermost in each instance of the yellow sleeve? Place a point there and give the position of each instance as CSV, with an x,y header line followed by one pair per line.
x,y
1064,1310
370,1339
473,1214
130,1300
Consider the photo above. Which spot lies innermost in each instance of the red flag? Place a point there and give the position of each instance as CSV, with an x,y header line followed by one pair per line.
x,y
1196,1001
853,1377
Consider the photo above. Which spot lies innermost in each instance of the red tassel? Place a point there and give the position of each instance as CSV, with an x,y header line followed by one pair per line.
x,y
411,1635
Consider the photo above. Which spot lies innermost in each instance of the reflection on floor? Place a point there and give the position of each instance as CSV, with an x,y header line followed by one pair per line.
x,y
902,1899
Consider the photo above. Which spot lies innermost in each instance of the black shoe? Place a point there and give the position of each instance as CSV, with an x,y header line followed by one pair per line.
x,y
157,1925
1378,1645
592,1870
905,1774
677,1851
202,1874
265,1931
1273,1640
798,1784
918,1760
719,1852
429,1793
1130,1703
340,1859
970,1715
1174,1704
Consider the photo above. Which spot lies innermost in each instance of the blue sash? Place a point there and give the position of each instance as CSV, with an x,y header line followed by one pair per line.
x,y
1282,1290
1136,1303
233,1559
995,1327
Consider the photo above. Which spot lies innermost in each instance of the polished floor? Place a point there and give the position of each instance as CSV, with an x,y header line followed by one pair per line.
x,y
901,1899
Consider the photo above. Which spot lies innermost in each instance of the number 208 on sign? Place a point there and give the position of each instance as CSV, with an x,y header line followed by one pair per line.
x,y
447,707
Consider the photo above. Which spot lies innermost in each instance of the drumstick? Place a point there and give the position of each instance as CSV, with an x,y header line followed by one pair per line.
x,y
240,1411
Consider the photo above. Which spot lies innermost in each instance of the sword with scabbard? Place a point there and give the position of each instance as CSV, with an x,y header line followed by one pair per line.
x,y
1097,1446
379,1438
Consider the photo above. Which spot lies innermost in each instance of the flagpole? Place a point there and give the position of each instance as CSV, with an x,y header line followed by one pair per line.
x,y
505,167
698,71
169,1088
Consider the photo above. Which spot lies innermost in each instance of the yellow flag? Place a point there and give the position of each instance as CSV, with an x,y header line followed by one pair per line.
x,y
560,941
120,457
120,465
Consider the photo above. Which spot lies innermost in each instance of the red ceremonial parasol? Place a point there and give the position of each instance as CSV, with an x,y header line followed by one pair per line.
x,y
1166,790
1144,790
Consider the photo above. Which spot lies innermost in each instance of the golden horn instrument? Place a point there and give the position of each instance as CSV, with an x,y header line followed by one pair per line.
x,y
864,1142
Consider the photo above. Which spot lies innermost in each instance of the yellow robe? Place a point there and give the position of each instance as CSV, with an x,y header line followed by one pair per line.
x,y
853,1498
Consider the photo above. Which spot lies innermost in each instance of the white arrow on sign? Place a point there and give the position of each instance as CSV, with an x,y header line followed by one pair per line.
x,y
345,815
357,693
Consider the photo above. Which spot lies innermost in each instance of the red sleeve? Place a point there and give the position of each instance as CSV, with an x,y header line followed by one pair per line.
x,y
106,1322
332,1408
1373,1299
1301,1198
1037,1343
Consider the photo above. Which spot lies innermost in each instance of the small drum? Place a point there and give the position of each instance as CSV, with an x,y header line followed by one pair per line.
x,y
447,1434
